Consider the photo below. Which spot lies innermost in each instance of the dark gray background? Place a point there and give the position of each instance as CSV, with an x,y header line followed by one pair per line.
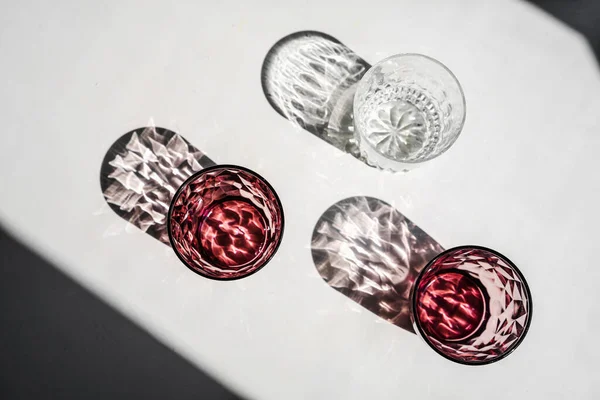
x,y
57,340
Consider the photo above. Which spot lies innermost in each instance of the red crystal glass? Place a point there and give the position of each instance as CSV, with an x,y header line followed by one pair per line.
x,y
225,222
472,305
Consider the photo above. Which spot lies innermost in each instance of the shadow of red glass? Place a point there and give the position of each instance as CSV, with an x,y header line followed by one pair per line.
x,y
142,171
368,251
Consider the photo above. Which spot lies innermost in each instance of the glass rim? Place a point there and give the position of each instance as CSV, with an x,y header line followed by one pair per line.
x,y
461,125
200,173
424,336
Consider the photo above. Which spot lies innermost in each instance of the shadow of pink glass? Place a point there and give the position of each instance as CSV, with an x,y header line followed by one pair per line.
x,y
225,222
472,305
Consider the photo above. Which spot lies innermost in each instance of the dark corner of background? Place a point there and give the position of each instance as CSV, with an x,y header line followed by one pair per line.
x,y
57,340
581,15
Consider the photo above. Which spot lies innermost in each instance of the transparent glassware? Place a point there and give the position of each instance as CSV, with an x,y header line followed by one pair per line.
x,y
472,305
408,108
225,222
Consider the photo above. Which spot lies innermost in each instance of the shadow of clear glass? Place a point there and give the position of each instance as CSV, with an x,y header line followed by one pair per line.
x,y
408,108
472,305
310,78
368,251
225,222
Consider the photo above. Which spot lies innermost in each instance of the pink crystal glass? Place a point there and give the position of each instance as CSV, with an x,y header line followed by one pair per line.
x,y
472,305
225,222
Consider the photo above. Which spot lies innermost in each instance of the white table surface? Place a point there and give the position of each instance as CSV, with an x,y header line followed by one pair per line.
x,y
522,179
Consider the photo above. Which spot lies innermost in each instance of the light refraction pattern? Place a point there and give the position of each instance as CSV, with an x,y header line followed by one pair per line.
x,y
142,171
367,250
451,307
456,323
310,79
226,222
233,233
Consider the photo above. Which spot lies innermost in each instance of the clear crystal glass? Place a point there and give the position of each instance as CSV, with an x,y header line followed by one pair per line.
x,y
225,222
408,108
472,305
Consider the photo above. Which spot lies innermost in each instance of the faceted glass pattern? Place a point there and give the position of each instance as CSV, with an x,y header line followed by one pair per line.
x,y
472,305
408,108
225,222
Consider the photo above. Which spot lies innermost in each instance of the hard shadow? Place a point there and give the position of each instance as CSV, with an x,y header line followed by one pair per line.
x,y
59,341
310,78
371,253
142,171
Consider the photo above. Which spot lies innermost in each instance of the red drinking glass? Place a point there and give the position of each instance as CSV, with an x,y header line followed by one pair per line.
x,y
225,222
472,305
